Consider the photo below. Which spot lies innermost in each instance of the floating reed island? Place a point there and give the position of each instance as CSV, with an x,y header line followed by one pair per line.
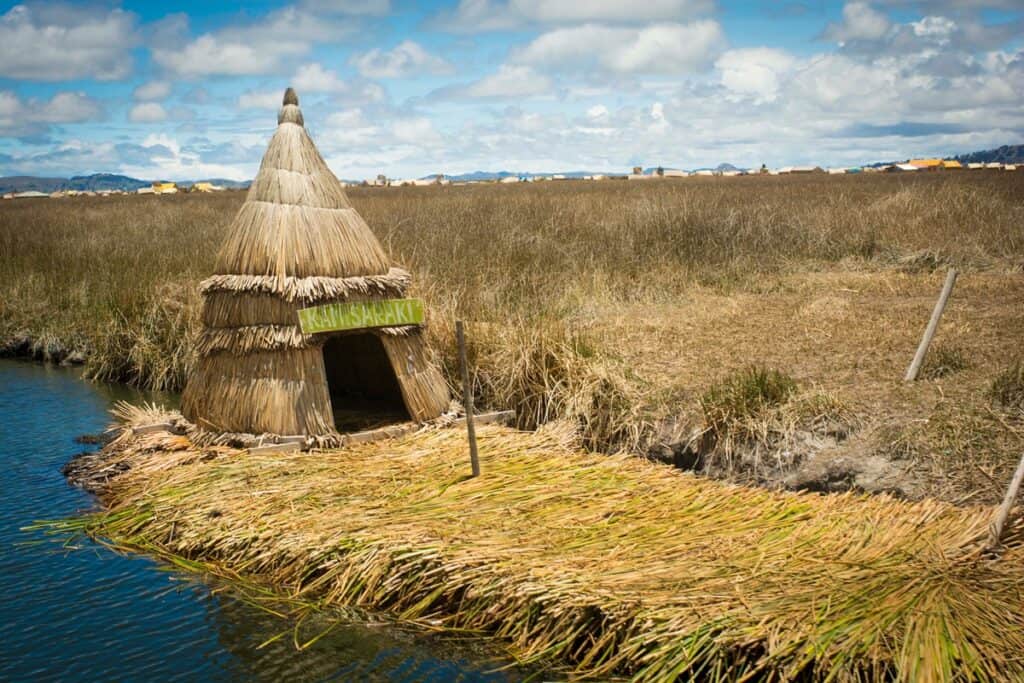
x,y
597,566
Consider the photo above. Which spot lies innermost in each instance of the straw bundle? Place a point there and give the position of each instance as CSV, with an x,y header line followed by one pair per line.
x,y
296,242
601,565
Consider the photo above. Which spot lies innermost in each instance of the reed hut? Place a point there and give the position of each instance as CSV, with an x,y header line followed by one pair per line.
x,y
297,243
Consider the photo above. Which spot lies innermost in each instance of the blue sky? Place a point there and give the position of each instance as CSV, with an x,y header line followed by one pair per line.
x,y
190,90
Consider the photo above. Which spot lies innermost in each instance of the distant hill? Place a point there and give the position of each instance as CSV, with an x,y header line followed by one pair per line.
x,y
98,182
1007,154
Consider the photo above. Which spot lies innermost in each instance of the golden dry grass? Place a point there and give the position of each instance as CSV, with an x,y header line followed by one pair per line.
x,y
615,304
593,565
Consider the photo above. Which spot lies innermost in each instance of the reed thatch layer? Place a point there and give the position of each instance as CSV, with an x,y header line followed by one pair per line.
x,y
309,290
251,339
604,565
424,390
301,241
278,392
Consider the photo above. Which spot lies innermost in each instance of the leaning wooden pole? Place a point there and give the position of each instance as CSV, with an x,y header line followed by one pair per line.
x,y
933,324
467,398
999,523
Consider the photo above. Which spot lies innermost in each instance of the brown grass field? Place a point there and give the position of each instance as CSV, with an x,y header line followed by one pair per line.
x,y
753,328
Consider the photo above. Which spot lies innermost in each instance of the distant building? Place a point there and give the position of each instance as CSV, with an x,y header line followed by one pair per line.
x,y
975,166
951,164
675,173
927,164
164,188
638,170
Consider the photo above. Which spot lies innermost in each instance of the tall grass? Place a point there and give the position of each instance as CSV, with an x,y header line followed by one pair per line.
x,y
117,276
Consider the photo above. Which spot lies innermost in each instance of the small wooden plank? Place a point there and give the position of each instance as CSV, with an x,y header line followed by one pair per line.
x,y
389,432
276,448
156,427
499,416
467,399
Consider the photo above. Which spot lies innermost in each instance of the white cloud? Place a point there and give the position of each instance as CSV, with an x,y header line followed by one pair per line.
x,y
27,117
406,59
61,42
509,81
259,48
315,78
598,112
658,48
261,99
417,130
754,72
154,90
147,112
355,7
860,22
472,16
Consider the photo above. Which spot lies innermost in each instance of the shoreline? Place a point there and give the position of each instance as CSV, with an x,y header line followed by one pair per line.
x,y
556,555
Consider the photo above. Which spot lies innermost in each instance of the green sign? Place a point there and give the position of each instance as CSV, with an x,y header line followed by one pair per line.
x,y
359,315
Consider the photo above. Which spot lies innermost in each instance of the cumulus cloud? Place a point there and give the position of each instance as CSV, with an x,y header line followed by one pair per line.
x,y
61,42
20,118
260,99
658,48
147,112
509,81
262,47
153,90
754,72
472,16
860,22
408,58
314,78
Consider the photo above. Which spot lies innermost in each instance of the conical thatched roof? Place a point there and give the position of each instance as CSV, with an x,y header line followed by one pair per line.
x,y
295,242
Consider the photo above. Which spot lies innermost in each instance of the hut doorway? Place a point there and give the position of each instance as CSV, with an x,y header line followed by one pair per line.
x,y
363,388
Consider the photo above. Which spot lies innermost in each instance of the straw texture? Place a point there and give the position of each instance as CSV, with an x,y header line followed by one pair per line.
x,y
295,242
602,565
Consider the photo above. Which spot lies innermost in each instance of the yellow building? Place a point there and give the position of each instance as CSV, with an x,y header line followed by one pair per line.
x,y
926,164
951,163
164,188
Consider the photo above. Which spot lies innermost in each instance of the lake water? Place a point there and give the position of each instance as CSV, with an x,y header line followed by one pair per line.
x,y
91,614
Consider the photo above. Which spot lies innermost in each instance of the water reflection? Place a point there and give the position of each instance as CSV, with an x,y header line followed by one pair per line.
x,y
89,614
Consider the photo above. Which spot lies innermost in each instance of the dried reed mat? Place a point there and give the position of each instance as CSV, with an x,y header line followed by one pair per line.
x,y
602,565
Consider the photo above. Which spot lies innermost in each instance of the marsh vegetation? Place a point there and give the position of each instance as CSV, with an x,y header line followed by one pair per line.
x,y
624,307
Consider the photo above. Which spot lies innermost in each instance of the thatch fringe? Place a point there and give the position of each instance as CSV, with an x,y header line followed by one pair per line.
x,y
251,338
602,565
312,289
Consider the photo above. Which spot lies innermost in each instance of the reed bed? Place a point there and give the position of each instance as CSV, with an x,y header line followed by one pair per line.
x,y
594,566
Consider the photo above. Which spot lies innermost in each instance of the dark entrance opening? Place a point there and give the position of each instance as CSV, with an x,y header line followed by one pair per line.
x,y
363,388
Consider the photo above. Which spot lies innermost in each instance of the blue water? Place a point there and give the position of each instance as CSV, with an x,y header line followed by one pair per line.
x,y
90,614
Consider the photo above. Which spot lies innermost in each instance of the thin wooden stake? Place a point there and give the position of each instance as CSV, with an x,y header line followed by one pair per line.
x,y
467,398
933,324
999,523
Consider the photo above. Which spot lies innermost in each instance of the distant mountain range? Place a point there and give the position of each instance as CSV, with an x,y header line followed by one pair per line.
x,y
1007,154
98,182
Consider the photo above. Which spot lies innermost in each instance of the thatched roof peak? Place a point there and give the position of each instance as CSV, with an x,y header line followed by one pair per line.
x,y
290,112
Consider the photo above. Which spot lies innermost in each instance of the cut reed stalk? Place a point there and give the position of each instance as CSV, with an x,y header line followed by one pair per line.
x,y
599,565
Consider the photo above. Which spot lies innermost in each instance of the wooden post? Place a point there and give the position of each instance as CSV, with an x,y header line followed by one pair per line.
x,y
933,324
467,398
999,523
